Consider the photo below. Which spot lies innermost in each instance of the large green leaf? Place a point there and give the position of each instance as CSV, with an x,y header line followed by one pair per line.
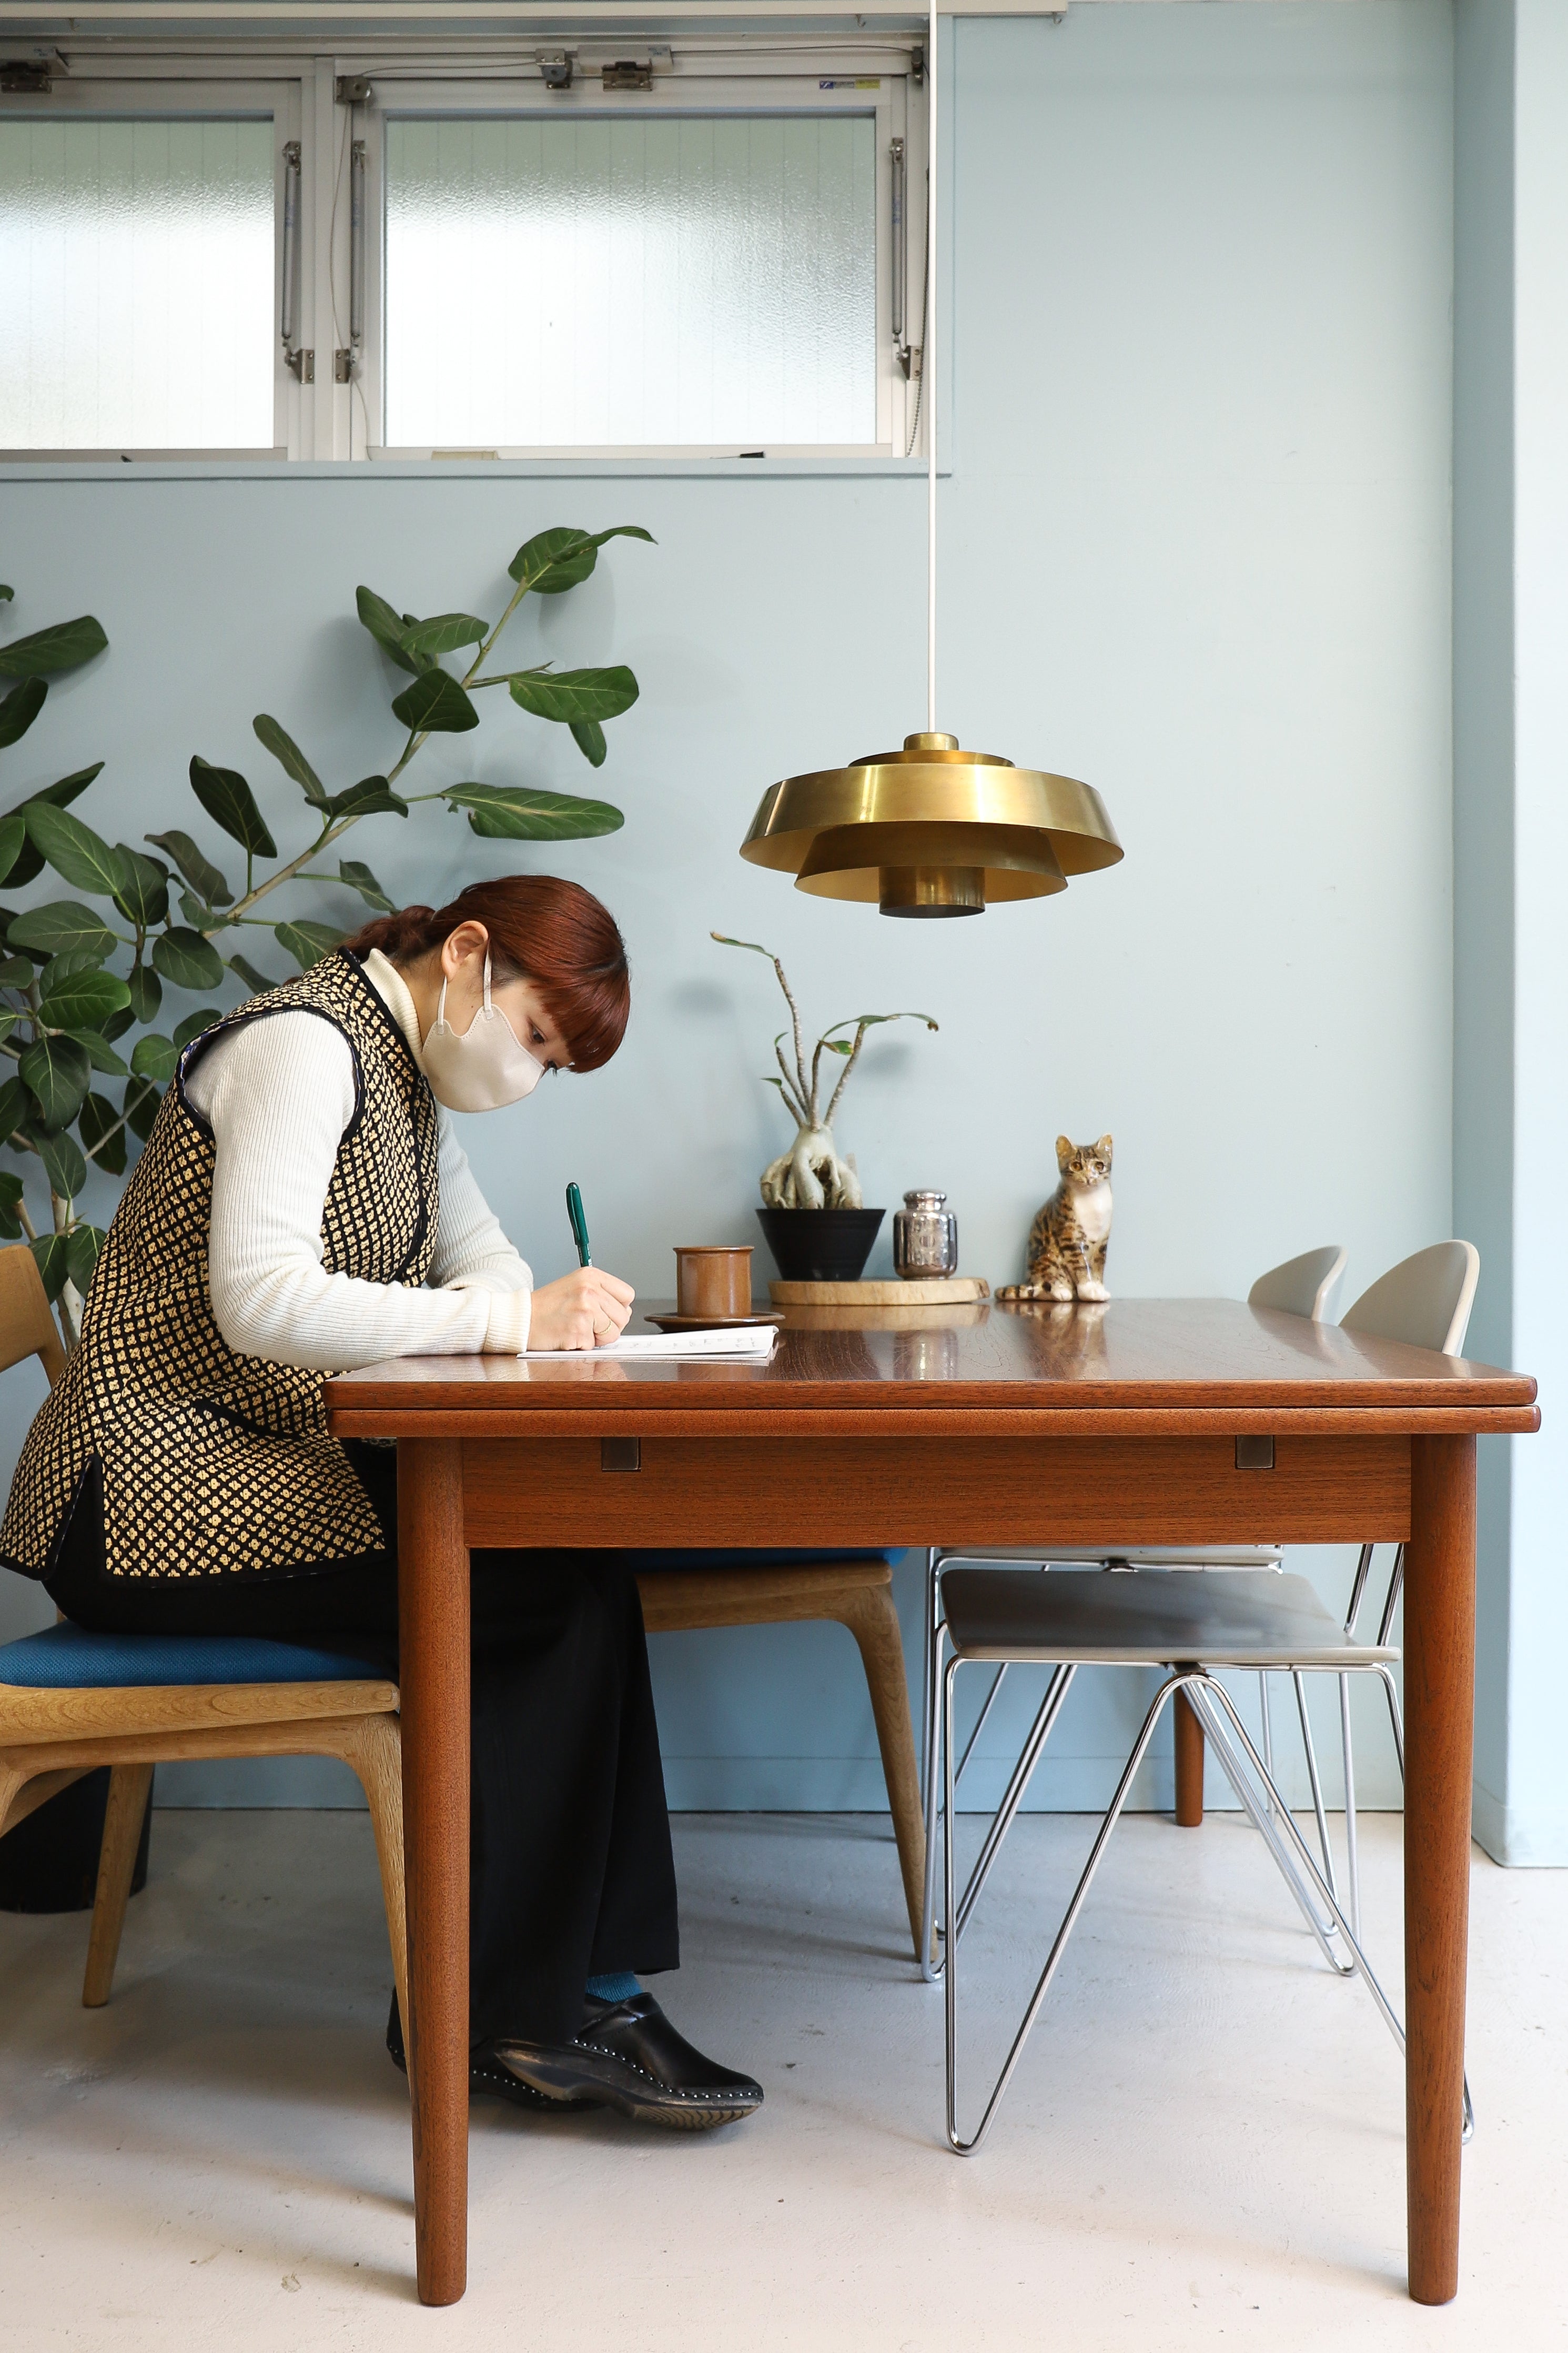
x,y
12,839
195,1023
520,813
436,705
198,870
229,802
63,925
77,854
186,959
19,710
101,1053
289,758
52,1253
569,694
30,861
387,626
14,1107
146,992
306,943
99,1120
154,1057
16,972
444,635
589,738
141,1101
83,1245
372,797
10,1196
358,877
55,1071
144,901
65,644
257,982
560,559
63,1163
80,1000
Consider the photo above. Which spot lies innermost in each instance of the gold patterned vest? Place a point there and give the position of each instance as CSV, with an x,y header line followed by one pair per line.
x,y
215,1464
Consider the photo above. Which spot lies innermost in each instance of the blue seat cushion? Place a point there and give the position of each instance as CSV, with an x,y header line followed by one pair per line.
x,y
68,1658
768,1556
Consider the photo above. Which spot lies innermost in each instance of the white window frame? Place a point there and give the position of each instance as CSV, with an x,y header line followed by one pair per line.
x,y
94,97
332,407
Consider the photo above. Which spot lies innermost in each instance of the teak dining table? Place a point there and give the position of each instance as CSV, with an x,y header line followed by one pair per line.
x,y
1114,1425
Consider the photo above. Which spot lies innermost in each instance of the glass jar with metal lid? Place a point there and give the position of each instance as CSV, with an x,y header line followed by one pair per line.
x,y
925,1237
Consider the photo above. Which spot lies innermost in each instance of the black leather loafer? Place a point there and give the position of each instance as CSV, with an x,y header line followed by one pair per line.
x,y
488,2079
628,2056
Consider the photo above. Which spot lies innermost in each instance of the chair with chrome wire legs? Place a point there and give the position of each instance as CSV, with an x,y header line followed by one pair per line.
x,y
1301,1286
1192,1628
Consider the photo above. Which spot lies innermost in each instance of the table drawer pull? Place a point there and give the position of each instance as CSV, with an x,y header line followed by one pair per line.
x,y
626,1453
1255,1454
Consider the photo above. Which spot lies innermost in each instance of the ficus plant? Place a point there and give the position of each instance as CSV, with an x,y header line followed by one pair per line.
x,y
811,1174
80,976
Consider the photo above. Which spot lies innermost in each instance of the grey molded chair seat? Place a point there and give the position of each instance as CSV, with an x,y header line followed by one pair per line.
x,y
1192,1627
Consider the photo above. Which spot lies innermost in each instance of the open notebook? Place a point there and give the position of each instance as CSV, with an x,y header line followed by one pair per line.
x,y
755,1344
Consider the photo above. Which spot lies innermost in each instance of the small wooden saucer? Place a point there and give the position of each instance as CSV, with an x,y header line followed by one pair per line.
x,y
711,1322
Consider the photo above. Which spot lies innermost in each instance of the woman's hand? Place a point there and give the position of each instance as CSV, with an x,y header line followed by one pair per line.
x,y
588,1309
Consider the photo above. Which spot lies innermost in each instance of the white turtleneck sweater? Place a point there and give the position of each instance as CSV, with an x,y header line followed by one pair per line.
x,y
277,1095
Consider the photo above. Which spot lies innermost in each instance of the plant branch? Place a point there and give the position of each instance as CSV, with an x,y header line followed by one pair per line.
x,y
854,1057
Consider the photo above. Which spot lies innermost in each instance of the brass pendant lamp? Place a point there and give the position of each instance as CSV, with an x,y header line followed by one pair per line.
x,y
931,830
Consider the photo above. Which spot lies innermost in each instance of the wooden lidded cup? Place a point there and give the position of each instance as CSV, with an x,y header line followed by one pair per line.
x,y
713,1278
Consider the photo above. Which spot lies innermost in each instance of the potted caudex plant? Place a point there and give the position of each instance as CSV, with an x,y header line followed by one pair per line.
x,y
814,1217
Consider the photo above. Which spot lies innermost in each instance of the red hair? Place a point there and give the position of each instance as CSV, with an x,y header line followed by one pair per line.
x,y
553,933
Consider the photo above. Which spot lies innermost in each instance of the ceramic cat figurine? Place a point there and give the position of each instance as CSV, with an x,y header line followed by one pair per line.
x,y
1066,1258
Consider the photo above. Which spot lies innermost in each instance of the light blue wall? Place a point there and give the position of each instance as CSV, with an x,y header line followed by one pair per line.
x,y
1510,839
1195,548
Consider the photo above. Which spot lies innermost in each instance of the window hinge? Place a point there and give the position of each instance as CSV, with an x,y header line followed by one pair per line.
x,y
302,364
344,365
910,359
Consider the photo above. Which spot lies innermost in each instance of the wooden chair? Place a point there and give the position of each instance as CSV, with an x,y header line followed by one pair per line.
x,y
741,1588
72,1701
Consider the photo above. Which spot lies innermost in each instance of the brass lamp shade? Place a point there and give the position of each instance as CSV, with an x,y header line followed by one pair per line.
x,y
931,830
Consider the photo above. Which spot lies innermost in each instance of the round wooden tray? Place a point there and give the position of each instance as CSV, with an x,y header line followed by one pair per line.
x,y
948,1290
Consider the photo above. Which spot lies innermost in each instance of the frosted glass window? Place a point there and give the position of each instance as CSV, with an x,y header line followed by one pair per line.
x,y
631,279
137,263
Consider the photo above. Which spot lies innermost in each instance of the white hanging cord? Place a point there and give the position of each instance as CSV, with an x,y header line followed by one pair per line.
x,y
928,378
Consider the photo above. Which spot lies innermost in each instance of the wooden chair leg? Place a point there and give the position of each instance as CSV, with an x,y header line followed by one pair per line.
x,y
376,1757
13,1780
1189,1738
128,1787
869,1614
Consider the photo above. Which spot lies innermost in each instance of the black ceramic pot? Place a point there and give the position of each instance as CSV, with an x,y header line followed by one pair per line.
x,y
820,1245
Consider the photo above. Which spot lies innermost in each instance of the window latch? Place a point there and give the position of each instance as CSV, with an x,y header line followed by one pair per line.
x,y
348,357
302,364
900,250
627,74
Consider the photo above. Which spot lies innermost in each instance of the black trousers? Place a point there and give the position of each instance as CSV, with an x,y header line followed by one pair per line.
x,y
571,1870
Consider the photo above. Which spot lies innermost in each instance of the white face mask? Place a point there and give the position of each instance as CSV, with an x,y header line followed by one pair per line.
x,y
485,1067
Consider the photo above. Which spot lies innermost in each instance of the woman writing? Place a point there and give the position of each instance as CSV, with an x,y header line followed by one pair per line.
x,y
303,1205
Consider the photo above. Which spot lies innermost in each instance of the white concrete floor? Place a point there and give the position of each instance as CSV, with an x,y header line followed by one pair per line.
x,y
1204,2141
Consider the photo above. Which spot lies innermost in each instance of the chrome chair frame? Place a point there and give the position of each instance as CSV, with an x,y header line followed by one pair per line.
x,y
940,1557
1267,1808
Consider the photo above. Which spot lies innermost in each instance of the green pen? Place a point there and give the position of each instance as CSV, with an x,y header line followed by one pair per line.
x,y
579,1224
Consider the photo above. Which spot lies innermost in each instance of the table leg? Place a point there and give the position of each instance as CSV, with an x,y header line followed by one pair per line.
x,y
433,1615
1439,1704
1189,1739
